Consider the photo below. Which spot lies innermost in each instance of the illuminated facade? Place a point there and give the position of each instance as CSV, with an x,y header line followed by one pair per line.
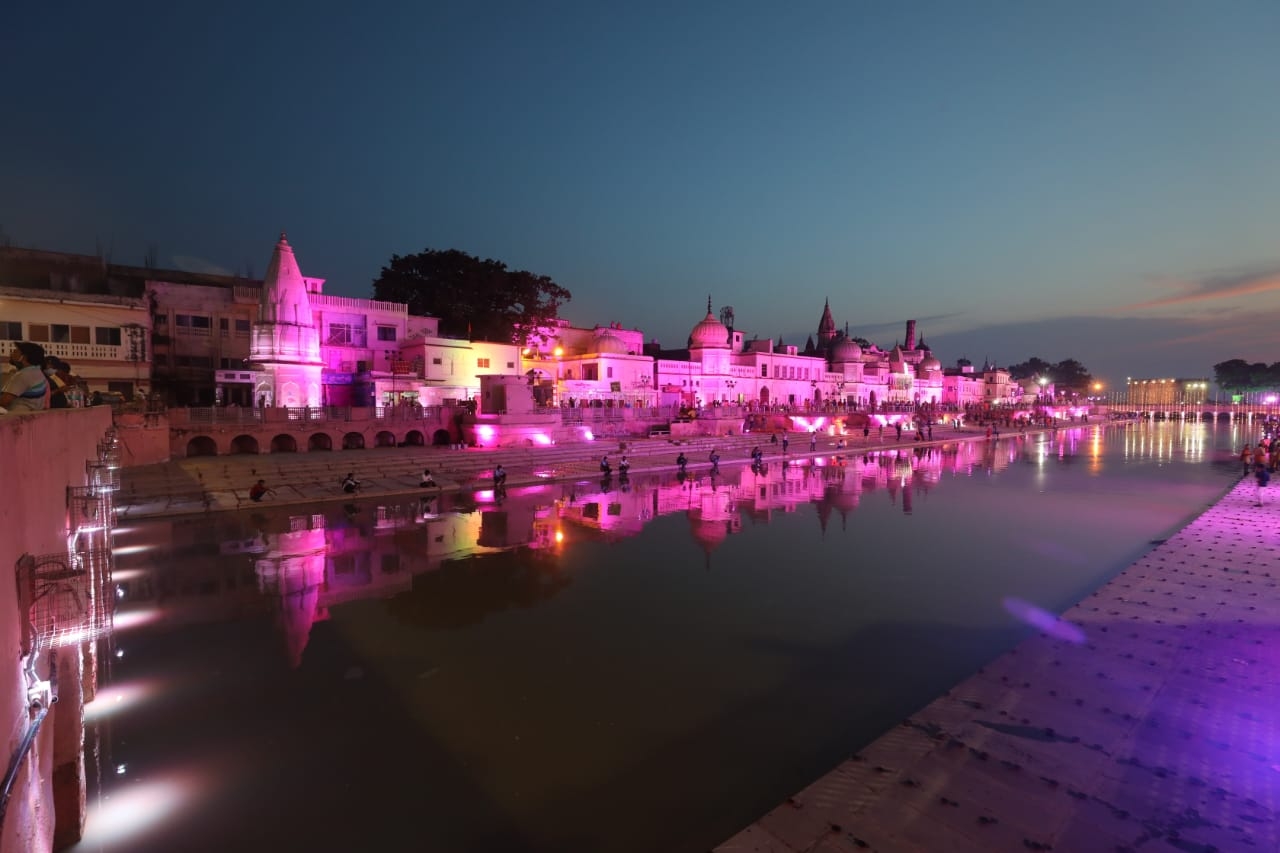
x,y
1166,392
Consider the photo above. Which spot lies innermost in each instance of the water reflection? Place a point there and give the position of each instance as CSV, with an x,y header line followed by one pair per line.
x,y
561,660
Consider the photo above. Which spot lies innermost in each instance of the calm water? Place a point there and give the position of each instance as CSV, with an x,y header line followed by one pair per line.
x,y
580,668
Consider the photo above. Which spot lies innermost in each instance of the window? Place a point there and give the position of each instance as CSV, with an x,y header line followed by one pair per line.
x,y
591,372
608,372
437,360
386,333
511,365
242,328
482,363
60,333
224,327
106,337
764,371
192,324
10,331
346,330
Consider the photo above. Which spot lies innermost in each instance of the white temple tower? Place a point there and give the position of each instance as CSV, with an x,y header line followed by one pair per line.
x,y
285,345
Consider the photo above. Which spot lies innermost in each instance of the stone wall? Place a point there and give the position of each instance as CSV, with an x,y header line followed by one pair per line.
x,y
41,454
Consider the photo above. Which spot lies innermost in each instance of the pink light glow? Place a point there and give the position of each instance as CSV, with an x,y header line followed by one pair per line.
x,y
809,424
1045,621
118,698
135,619
485,433
541,438
130,811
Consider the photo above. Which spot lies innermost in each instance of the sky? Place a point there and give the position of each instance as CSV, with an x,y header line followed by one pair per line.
x,y
1087,180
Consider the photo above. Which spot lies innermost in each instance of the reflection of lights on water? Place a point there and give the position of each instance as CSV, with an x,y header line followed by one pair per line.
x,y
1043,620
119,653
131,811
119,592
121,769
115,698
132,549
127,575
559,535
135,618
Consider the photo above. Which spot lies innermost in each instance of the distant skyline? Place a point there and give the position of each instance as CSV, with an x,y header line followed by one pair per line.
x,y
1080,180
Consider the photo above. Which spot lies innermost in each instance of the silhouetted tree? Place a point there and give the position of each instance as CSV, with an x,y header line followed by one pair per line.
x,y
1240,377
482,300
1067,375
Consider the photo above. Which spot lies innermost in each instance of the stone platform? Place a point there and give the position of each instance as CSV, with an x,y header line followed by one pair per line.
x,y
1155,728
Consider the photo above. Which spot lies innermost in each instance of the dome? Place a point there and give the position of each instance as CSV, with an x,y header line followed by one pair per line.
x,y
930,363
608,344
845,350
710,332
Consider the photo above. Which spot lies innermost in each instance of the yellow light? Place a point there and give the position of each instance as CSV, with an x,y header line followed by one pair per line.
x,y
559,352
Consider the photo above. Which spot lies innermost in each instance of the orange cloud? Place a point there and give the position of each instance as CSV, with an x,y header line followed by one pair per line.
x,y
1216,286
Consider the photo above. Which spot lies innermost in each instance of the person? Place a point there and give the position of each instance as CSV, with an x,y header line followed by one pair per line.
x,y
715,460
786,442
350,484
605,468
499,476
623,465
27,388
1260,477
1246,457
773,439
813,440
682,462
259,491
58,372
427,480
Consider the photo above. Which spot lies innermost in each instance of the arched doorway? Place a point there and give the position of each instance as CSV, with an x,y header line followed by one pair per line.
x,y
441,437
202,445
353,441
384,439
414,439
319,441
244,444
284,444
764,396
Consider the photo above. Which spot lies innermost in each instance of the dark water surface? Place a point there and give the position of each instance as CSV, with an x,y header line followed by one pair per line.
x,y
638,667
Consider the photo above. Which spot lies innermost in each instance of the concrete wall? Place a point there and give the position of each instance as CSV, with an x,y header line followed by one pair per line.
x,y
41,454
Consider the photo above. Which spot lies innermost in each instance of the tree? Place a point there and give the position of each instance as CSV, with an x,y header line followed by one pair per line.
x,y
481,300
1068,375
1032,367
1238,376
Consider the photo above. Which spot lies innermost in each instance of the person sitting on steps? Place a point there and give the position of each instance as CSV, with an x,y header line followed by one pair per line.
x,y
259,491
499,476
350,484
428,482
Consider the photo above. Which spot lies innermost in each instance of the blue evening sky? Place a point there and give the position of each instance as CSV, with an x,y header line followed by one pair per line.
x,y
1093,180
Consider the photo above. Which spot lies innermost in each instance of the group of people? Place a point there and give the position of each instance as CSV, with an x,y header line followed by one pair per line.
x,y
40,381
1262,461
624,466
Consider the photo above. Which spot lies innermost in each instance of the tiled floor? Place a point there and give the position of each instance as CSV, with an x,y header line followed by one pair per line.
x,y
1159,732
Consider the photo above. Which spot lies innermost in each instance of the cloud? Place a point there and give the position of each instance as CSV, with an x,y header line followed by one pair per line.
x,y
200,265
1215,286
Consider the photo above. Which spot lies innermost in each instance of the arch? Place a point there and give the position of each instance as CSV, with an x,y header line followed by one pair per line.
x,y
441,437
384,439
353,441
284,444
244,444
319,441
764,396
414,438
202,445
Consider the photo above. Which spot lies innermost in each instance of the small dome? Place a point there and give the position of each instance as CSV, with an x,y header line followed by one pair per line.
x,y
710,333
930,363
608,344
845,350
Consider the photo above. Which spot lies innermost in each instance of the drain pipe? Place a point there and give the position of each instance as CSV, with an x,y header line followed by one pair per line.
x,y
41,708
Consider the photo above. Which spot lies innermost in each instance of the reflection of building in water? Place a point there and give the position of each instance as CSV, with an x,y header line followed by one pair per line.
x,y
294,568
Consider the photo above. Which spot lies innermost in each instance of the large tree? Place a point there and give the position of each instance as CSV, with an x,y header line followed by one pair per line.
x,y
1240,377
1067,375
482,300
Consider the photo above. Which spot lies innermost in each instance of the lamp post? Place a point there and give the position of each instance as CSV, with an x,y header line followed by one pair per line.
x,y
731,384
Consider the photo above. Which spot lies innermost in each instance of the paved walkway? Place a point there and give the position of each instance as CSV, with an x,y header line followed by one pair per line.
x,y
1159,730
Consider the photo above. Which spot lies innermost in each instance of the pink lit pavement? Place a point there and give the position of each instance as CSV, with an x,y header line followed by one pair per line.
x,y
1160,731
